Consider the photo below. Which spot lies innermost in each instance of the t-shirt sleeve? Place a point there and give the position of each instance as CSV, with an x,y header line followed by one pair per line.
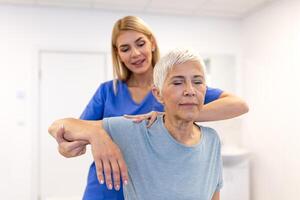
x,y
95,107
220,166
212,94
220,182
120,129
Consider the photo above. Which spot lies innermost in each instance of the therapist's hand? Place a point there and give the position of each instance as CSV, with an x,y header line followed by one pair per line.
x,y
150,117
68,148
108,160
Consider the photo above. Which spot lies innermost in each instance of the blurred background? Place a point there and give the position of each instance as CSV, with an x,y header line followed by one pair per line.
x,y
55,53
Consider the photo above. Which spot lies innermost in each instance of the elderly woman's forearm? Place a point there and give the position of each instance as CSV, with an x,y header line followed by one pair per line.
x,y
76,129
216,196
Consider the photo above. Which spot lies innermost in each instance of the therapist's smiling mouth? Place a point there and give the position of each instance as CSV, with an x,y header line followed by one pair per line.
x,y
138,62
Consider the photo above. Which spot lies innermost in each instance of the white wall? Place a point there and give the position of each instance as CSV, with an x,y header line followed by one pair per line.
x,y
25,30
271,46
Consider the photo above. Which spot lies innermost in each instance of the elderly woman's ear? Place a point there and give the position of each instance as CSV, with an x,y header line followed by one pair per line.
x,y
157,93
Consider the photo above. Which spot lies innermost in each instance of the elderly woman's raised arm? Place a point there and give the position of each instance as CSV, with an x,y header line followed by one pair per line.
x,y
92,132
216,196
75,129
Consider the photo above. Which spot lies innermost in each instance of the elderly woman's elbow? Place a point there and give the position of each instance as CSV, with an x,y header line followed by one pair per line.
x,y
52,129
55,126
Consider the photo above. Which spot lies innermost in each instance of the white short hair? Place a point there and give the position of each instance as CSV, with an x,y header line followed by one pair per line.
x,y
172,58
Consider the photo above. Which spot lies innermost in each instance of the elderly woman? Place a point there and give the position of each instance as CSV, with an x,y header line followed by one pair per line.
x,y
174,158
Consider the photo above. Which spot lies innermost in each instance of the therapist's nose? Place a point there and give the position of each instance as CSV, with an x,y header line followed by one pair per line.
x,y
135,52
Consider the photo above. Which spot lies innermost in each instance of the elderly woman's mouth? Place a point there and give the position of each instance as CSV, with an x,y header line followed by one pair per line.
x,y
188,104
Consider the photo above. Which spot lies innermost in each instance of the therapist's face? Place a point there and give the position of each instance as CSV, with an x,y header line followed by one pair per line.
x,y
183,91
135,51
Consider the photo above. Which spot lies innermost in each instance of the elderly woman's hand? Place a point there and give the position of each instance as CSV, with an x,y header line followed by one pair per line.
x,y
151,117
108,160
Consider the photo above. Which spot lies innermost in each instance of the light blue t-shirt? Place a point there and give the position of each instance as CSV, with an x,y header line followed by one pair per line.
x,y
160,168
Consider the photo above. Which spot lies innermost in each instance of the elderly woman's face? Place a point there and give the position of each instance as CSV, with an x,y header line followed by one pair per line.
x,y
184,91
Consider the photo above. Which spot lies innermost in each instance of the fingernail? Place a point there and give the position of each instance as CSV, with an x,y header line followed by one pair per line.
x,y
125,182
110,186
101,181
117,187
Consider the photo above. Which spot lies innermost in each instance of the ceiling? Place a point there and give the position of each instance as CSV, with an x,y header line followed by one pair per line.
x,y
212,8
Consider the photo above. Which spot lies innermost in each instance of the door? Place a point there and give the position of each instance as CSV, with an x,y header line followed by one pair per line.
x,y
67,82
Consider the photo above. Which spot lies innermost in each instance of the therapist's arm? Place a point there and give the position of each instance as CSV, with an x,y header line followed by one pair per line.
x,y
227,106
216,196
107,156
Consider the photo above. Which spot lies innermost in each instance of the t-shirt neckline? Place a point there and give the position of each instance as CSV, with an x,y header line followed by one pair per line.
x,y
166,132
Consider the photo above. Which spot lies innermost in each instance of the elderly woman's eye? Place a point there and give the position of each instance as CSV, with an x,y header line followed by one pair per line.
x,y
198,82
177,82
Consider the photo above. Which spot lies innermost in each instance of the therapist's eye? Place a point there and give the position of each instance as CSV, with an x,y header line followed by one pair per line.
x,y
124,49
141,43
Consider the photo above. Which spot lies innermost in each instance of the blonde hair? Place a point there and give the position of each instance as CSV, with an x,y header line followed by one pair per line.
x,y
132,23
168,61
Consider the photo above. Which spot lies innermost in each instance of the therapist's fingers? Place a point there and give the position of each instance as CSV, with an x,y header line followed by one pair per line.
x,y
107,173
60,135
116,174
131,116
72,149
67,148
136,118
152,119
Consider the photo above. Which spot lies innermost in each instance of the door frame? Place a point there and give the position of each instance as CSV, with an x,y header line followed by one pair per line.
x,y
36,111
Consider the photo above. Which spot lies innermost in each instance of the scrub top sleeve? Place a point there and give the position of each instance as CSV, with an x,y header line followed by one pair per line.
x,y
94,109
212,94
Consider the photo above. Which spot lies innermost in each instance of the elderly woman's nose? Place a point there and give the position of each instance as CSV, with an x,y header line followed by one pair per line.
x,y
189,89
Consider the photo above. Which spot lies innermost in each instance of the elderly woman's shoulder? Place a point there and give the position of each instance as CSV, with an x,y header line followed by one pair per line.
x,y
210,133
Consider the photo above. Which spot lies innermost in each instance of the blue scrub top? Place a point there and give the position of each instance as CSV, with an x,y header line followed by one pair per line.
x,y
105,104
